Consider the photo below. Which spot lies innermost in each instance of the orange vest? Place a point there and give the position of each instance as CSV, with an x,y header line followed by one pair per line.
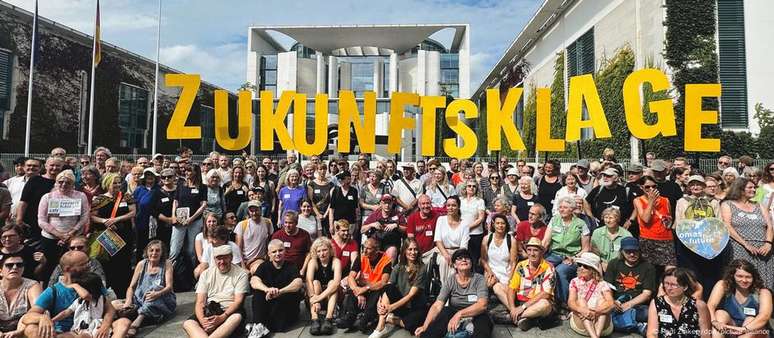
x,y
373,274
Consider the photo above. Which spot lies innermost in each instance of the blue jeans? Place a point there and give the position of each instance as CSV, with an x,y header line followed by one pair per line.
x,y
183,237
564,274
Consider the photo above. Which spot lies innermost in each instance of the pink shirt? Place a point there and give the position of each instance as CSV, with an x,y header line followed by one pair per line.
x,y
63,224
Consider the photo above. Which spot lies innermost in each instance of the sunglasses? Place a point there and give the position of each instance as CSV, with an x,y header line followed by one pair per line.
x,y
462,258
724,163
168,177
77,247
18,265
648,186
494,178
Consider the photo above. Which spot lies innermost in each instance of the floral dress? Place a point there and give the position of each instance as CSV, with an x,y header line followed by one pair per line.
x,y
685,326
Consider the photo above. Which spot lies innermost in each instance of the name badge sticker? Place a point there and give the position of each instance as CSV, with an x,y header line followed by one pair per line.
x,y
345,253
286,244
429,233
316,191
472,298
240,192
122,204
286,196
748,311
350,197
530,203
527,282
165,200
663,318
194,191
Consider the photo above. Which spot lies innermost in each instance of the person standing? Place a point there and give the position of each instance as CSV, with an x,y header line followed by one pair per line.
x,y
36,187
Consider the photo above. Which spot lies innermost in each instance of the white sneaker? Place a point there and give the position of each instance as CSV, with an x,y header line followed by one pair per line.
x,y
377,333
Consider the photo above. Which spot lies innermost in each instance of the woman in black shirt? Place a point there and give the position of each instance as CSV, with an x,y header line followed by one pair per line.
x,y
162,206
236,190
187,208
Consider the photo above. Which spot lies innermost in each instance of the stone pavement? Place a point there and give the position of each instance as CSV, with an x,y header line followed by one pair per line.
x,y
185,301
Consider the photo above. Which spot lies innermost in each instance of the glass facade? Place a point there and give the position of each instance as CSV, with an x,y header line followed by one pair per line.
x,y
449,79
269,73
207,118
362,75
132,115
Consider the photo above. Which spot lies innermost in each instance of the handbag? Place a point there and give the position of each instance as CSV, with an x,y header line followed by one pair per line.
x,y
625,321
129,312
96,251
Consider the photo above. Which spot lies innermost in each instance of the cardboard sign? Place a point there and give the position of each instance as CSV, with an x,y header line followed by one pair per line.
x,y
110,240
64,207
706,237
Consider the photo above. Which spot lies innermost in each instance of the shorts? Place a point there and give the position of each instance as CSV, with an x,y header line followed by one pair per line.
x,y
582,330
658,252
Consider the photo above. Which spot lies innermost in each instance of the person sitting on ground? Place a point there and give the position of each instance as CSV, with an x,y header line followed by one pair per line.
x,y
366,282
12,242
606,241
531,288
693,319
58,297
533,226
467,295
323,276
404,296
220,294
566,237
591,299
498,257
634,283
219,237
252,235
278,290
345,247
740,305
150,292
387,224
89,308
17,293
78,243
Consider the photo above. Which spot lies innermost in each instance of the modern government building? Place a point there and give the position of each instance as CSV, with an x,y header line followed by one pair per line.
x,y
589,31
378,58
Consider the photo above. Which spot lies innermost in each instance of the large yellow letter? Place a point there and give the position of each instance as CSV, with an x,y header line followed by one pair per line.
x,y
582,88
665,112
365,132
274,121
469,111
320,125
695,117
244,120
398,121
499,118
429,104
177,129
544,142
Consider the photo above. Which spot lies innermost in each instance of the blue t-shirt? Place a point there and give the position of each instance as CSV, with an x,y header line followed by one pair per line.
x,y
291,198
58,303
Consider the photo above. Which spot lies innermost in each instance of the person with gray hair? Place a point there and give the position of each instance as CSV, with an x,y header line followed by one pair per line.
x,y
534,226
278,290
34,189
290,196
567,236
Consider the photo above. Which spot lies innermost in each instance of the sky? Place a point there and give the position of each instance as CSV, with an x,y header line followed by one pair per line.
x,y
210,37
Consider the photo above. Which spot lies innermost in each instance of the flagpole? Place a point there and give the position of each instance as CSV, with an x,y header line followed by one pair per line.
x,y
33,45
91,91
156,84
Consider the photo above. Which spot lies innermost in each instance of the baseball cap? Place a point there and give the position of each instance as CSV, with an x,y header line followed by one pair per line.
x,y
634,168
513,171
695,178
253,204
583,163
630,243
386,198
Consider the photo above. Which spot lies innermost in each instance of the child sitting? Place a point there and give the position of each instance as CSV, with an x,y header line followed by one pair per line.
x,y
88,309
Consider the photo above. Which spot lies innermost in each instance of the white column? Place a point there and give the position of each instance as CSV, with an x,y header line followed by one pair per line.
x,y
393,73
333,77
345,76
464,64
320,73
287,77
378,76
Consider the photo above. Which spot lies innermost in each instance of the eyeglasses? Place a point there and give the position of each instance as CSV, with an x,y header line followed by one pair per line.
x,y
631,252
470,186
18,265
494,178
77,247
670,285
462,258
648,186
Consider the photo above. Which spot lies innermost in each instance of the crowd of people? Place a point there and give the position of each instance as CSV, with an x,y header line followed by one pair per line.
x,y
94,246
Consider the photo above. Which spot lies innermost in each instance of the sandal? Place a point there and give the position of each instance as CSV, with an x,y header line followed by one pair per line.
x,y
131,332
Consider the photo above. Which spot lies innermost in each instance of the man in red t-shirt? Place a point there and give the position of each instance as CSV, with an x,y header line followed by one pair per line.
x,y
421,226
296,241
534,226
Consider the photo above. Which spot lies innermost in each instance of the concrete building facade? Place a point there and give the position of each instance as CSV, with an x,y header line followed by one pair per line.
x,y
379,58
595,30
